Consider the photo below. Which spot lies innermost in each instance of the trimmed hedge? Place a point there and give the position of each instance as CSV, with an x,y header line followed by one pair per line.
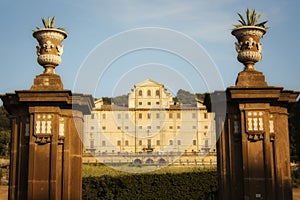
x,y
190,185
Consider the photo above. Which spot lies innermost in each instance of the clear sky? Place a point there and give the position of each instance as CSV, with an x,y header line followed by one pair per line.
x,y
112,45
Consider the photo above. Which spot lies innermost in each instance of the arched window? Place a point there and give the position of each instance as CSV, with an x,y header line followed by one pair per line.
x,y
149,93
140,93
162,161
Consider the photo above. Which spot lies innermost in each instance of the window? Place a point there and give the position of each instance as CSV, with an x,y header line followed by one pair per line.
x,y
157,103
91,135
92,127
126,142
140,127
149,115
119,142
158,142
140,115
93,116
194,142
140,142
149,93
157,93
119,128
157,115
178,142
204,134
103,143
103,127
170,142
178,127
206,143
140,93
206,127
119,116
140,103
193,115
158,127
170,127
148,127
194,127
205,115
178,115
170,115
126,127
126,116
103,116
149,103
92,144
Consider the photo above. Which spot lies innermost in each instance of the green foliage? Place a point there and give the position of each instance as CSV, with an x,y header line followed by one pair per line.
x,y
50,23
4,132
295,177
252,19
106,100
294,129
4,121
185,97
4,142
200,96
120,100
99,169
188,185
182,96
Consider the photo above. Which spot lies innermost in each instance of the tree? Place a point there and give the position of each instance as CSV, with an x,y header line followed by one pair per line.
x,y
4,121
4,142
4,132
185,97
294,129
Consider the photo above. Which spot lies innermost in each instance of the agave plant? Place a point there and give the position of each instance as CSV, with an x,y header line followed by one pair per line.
x,y
252,19
50,23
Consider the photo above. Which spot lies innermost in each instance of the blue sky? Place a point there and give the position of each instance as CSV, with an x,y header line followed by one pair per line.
x,y
97,27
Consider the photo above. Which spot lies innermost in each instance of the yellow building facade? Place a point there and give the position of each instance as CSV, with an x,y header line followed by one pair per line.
x,y
151,122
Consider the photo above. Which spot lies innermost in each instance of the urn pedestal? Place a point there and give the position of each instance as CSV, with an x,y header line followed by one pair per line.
x,y
47,125
253,154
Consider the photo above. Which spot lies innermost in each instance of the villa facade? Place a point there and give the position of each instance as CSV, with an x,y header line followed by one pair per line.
x,y
151,122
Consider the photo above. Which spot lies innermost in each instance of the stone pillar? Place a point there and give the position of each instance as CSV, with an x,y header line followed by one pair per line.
x,y
46,146
253,146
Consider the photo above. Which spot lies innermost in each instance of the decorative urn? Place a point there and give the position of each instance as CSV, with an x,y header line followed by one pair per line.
x,y
50,49
248,35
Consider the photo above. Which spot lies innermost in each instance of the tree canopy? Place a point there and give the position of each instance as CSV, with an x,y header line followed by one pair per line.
x,y
4,132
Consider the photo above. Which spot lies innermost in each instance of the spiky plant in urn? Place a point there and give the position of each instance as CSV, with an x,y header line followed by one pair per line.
x,y
49,53
248,33
50,48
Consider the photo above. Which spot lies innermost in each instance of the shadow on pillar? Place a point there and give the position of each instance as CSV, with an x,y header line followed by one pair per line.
x,y
46,146
253,153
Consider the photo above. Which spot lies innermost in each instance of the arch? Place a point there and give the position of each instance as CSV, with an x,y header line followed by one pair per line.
x,y
149,161
140,93
137,161
162,161
148,92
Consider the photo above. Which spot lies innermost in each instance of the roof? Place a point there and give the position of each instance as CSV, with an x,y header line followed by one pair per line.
x,y
148,82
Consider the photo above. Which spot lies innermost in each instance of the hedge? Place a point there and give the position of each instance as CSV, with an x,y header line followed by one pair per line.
x,y
190,185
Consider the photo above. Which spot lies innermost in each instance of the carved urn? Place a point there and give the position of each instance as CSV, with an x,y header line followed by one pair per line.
x,y
50,48
248,46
